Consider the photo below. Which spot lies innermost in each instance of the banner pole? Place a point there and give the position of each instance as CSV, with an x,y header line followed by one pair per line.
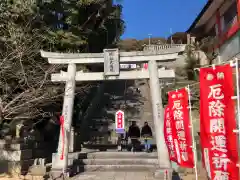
x,y
191,126
238,100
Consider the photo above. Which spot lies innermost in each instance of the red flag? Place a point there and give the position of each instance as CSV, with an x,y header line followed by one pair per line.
x,y
217,119
178,103
168,134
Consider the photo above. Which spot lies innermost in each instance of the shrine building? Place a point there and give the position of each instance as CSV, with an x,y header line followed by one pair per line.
x,y
219,20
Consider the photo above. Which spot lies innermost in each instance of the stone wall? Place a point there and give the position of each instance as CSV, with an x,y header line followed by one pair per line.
x,y
17,156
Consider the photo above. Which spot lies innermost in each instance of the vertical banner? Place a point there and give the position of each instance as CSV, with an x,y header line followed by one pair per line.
x,y
120,122
178,104
217,119
168,134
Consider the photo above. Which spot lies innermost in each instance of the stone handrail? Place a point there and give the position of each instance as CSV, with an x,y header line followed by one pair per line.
x,y
164,47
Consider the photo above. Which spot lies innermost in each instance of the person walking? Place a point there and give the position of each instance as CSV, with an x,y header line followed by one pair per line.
x,y
134,134
146,134
119,142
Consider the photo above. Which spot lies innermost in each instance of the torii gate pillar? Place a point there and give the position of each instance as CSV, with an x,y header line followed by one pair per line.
x,y
67,113
158,113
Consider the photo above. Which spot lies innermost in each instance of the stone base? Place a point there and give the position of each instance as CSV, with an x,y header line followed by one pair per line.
x,y
164,174
38,170
58,174
56,162
15,168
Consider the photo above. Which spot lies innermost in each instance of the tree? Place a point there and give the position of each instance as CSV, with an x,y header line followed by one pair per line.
x,y
178,38
28,26
82,25
130,45
196,55
138,45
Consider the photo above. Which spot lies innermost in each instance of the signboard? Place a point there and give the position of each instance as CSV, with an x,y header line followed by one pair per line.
x,y
128,66
111,62
119,121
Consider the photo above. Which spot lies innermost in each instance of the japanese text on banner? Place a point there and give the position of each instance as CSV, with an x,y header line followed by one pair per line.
x,y
178,101
168,134
218,122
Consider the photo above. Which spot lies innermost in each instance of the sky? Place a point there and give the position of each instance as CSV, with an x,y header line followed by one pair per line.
x,y
158,17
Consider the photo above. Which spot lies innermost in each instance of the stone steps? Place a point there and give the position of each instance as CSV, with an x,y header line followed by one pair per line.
x,y
112,161
115,168
93,163
119,161
112,155
107,147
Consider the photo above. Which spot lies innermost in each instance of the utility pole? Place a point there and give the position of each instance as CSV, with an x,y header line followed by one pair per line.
x,y
171,36
149,39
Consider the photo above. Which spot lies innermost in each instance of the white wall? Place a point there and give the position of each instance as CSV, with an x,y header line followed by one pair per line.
x,y
230,48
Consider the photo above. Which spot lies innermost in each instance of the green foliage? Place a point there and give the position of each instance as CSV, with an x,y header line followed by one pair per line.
x,y
138,45
192,63
190,73
80,25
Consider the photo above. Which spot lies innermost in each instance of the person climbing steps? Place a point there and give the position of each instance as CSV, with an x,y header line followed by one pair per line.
x,y
134,134
146,134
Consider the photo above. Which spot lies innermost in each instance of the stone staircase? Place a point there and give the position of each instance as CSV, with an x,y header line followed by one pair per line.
x,y
146,113
112,161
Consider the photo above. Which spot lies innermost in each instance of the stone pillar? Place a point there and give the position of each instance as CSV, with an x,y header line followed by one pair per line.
x,y
158,116
63,144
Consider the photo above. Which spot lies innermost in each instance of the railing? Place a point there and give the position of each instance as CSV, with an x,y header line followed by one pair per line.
x,y
163,47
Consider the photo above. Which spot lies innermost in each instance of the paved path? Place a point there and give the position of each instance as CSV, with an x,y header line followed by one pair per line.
x,y
116,176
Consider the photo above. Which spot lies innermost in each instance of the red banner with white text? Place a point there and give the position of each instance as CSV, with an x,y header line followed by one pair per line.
x,y
168,134
178,104
217,122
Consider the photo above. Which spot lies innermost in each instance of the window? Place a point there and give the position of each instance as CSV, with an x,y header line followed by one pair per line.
x,y
229,18
213,31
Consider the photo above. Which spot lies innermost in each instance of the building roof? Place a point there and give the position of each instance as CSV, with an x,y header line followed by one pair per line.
x,y
200,15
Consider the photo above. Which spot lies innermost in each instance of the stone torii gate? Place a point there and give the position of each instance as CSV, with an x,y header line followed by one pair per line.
x,y
112,59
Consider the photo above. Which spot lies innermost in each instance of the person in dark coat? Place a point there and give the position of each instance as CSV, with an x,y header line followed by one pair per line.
x,y
146,134
134,134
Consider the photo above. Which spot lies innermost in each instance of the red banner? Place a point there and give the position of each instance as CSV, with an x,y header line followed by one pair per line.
x,y
217,119
168,134
178,104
